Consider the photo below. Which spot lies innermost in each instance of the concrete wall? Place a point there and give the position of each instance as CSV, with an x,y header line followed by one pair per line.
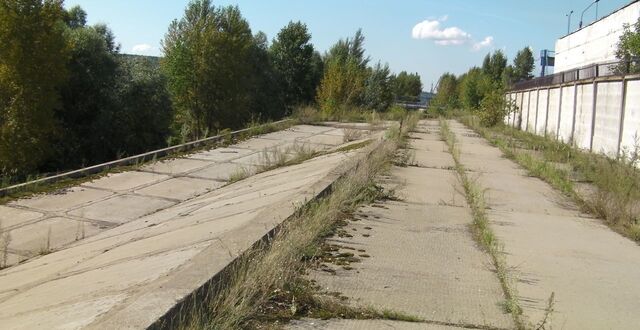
x,y
596,42
567,112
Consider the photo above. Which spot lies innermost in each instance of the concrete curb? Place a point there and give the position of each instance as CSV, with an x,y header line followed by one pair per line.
x,y
171,299
129,160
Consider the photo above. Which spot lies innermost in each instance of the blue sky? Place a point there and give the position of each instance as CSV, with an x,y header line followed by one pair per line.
x,y
425,36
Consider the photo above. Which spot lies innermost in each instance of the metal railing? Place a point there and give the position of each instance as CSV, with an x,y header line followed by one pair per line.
x,y
607,69
145,157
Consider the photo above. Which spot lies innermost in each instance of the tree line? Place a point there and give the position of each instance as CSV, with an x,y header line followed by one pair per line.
x,y
481,89
69,97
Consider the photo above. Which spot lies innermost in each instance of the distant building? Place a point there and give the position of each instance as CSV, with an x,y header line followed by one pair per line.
x,y
596,42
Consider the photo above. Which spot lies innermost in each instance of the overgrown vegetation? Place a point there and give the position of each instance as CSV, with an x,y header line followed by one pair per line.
x,y
270,274
628,49
481,90
482,231
77,101
616,197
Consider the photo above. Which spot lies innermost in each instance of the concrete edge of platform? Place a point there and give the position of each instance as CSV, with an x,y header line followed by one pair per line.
x,y
164,307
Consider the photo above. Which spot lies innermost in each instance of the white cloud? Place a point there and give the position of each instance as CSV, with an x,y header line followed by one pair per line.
x,y
432,29
142,49
487,42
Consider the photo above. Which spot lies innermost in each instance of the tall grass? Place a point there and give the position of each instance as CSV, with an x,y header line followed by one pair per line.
x,y
261,272
616,197
481,229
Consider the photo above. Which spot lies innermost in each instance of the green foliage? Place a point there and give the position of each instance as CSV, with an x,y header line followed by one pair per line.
x,y
266,97
494,108
446,98
473,88
32,68
407,86
293,58
523,64
206,56
343,84
494,65
629,48
378,93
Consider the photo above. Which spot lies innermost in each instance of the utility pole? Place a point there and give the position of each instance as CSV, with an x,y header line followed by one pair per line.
x,y
569,23
595,2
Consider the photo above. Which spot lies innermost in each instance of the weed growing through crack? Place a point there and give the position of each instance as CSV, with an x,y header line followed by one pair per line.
x,y
5,240
615,193
481,229
269,274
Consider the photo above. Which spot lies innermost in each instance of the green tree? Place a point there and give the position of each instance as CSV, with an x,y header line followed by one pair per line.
x,y
343,83
523,64
207,56
292,55
446,97
494,65
407,86
266,94
378,93
473,88
33,55
629,49
88,97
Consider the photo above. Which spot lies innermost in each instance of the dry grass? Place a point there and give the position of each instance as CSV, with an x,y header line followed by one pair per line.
x,y
482,231
616,182
351,135
274,266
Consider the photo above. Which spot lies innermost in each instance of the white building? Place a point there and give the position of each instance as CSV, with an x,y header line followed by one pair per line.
x,y
596,42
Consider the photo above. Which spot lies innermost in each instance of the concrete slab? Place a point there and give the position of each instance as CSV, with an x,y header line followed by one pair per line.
x,y
122,208
222,171
286,135
176,166
66,199
11,217
592,271
325,139
130,275
258,144
430,186
305,324
50,234
221,154
180,188
435,159
417,257
311,129
125,180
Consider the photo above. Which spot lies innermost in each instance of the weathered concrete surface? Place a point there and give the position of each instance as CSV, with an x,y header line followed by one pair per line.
x,y
419,256
593,271
307,324
131,274
118,198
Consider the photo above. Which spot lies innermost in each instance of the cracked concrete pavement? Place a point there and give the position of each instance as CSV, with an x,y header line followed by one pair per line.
x,y
417,254
553,247
126,247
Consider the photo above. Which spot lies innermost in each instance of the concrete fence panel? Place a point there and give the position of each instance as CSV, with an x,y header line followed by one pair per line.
x,y
631,127
514,118
584,116
607,118
554,112
526,100
533,111
565,127
543,107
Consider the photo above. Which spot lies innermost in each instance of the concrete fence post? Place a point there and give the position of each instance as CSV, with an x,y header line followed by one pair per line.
x,y
575,110
593,113
559,114
526,123
535,123
623,105
546,117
